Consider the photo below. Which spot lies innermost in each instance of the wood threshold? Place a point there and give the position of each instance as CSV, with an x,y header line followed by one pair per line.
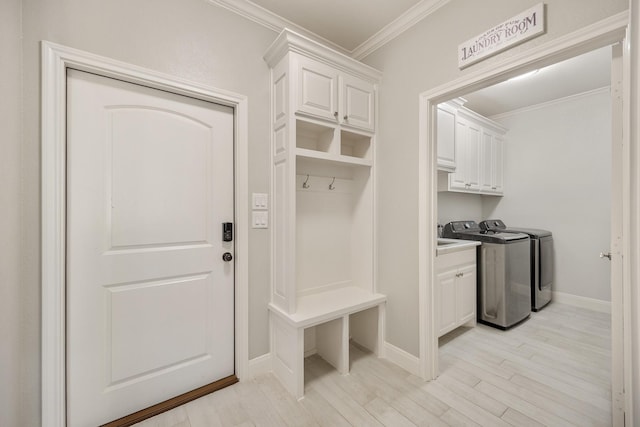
x,y
172,403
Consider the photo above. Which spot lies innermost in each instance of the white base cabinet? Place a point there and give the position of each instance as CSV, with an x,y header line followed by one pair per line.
x,y
456,290
323,291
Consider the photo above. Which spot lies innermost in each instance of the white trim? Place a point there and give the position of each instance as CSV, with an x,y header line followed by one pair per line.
x,y
406,361
55,60
259,365
408,19
277,23
272,21
608,31
547,104
602,33
580,301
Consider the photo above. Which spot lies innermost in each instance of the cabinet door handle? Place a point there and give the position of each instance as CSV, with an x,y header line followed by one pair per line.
x,y
346,117
335,114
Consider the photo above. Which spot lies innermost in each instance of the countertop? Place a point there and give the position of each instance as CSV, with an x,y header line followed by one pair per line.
x,y
447,246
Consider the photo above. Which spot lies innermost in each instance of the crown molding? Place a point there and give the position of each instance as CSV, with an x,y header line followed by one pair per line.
x,y
398,26
290,41
270,20
546,104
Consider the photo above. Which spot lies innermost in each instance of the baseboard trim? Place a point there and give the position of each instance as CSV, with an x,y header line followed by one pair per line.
x,y
167,405
260,365
582,302
405,360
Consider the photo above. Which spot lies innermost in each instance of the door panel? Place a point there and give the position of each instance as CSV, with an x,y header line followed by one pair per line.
x,y
155,204
149,299
358,102
317,90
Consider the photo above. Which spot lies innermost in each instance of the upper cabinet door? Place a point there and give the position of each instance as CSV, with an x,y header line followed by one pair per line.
x,y
317,89
486,161
446,135
357,98
474,135
498,164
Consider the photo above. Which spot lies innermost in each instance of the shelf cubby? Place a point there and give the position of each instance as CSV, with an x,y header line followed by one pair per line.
x,y
355,144
315,137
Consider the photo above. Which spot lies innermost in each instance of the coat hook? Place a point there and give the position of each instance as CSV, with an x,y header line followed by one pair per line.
x,y
331,186
304,184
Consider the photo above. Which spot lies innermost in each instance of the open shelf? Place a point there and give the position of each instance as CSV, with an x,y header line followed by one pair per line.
x,y
355,145
314,137
344,160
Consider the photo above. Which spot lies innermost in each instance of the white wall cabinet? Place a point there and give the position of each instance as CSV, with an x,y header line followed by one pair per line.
x,y
446,115
467,174
456,290
479,151
323,282
446,133
328,93
491,177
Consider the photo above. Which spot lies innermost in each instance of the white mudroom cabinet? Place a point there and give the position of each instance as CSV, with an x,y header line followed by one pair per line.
x,y
323,291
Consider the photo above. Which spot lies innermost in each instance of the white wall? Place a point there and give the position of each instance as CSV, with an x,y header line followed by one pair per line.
x,y
558,178
421,59
458,206
10,289
190,39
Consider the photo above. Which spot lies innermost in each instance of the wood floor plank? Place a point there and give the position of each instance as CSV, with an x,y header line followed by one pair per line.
x,y
456,419
416,413
570,401
257,405
292,413
465,407
532,411
471,394
387,414
322,411
343,403
526,397
552,370
518,419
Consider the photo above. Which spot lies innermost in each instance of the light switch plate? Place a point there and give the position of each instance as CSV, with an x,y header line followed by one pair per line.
x,y
260,201
260,219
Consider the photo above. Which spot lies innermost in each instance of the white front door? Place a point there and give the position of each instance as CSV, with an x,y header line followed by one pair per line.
x,y
150,301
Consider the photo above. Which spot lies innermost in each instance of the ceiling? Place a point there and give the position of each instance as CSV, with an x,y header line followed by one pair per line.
x,y
359,27
580,74
346,23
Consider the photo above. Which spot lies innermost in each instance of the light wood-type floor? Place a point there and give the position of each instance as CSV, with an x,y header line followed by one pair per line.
x,y
552,370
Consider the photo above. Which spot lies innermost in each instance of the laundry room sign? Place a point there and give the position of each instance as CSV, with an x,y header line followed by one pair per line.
x,y
522,27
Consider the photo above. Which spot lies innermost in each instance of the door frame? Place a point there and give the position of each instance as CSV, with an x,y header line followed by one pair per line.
x,y
609,31
55,61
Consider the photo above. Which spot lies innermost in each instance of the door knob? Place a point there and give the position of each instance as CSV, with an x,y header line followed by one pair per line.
x,y
605,255
226,257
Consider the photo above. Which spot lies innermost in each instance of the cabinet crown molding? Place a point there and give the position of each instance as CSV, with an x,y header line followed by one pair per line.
x,y
484,121
290,41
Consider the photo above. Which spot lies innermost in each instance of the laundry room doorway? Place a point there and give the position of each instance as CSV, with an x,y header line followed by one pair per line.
x,y
612,34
